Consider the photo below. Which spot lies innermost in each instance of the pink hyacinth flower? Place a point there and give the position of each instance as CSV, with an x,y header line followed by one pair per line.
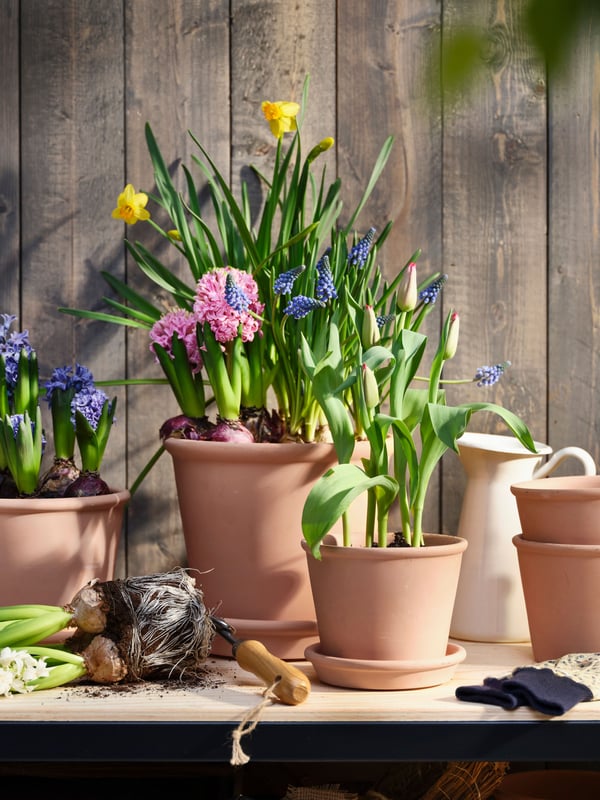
x,y
182,323
212,307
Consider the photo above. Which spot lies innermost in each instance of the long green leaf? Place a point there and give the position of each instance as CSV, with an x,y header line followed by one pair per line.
x,y
515,423
378,168
158,273
235,210
101,317
333,494
132,297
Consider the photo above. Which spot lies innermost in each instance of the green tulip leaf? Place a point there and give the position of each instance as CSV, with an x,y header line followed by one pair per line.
x,y
333,494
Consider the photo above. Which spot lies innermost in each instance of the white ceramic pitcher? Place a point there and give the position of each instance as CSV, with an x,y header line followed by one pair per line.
x,y
490,606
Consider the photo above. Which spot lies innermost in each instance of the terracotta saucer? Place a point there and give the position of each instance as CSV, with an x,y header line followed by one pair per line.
x,y
362,674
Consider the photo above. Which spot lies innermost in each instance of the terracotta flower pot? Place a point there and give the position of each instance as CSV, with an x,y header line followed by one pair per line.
x,y
562,509
387,610
560,584
241,510
51,548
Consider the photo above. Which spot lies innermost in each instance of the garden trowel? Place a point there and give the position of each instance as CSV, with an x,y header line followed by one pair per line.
x,y
291,686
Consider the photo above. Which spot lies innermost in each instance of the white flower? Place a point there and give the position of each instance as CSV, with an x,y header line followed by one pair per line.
x,y
6,678
6,656
17,669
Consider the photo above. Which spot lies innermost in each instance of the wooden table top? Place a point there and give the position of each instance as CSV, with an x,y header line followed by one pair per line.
x,y
231,693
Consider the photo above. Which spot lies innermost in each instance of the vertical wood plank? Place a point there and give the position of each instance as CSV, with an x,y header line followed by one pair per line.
x,y
177,55
9,158
574,249
72,134
274,46
384,49
494,226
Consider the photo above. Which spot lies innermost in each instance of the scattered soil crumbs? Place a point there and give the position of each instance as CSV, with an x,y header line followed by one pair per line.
x,y
209,678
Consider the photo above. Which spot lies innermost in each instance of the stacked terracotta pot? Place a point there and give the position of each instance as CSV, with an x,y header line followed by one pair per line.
x,y
559,561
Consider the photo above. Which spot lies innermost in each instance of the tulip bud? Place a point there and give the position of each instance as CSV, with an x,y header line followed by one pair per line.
x,y
408,291
370,387
452,340
370,334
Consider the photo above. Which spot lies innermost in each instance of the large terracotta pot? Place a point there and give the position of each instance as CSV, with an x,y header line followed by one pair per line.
x,y
50,548
563,509
560,584
241,510
384,613
489,603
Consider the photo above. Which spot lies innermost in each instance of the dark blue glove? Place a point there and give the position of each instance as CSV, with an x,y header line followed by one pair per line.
x,y
541,689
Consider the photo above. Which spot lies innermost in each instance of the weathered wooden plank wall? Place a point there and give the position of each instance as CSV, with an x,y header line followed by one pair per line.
x,y
499,186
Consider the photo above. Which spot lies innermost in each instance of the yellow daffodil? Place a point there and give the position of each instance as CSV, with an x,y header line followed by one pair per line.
x,y
131,206
174,235
281,116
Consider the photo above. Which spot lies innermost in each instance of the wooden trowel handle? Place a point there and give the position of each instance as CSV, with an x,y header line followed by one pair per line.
x,y
293,686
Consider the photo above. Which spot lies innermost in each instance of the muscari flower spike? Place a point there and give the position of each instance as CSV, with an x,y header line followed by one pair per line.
x,y
284,283
383,319
488,376
235,297
357,257
430,293
300,306
325,289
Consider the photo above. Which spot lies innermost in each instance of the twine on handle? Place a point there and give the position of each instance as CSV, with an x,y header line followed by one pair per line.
x,y
248,723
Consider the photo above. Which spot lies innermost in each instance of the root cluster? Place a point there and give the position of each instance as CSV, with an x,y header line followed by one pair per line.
x,y
153,626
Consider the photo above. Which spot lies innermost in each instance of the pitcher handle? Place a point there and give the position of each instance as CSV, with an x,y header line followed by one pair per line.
x,y
581,455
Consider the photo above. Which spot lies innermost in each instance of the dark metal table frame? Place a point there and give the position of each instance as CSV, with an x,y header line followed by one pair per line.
x,y
314,742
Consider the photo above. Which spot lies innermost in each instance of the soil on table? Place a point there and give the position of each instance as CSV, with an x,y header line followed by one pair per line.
x,y
207,678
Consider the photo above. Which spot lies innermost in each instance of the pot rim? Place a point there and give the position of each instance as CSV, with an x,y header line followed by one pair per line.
x,y
42,504
555,548
556,488
251,452
446,544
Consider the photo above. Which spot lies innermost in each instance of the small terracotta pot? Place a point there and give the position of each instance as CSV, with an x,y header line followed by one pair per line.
x,y
562,509
386,605
52,547
560,584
